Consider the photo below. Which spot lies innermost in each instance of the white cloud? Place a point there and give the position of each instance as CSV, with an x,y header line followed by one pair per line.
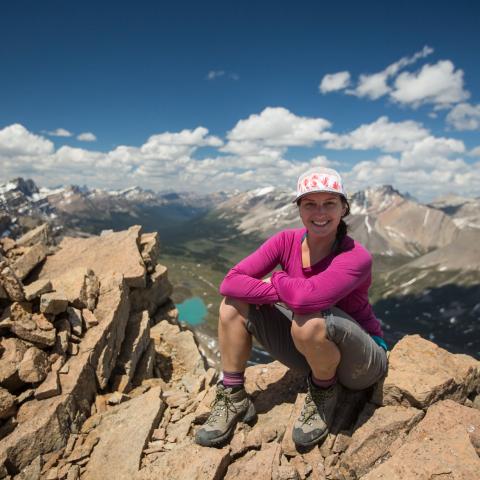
x,y
439,84
167,161
334,81
87,137
278,127
213,74
59,132
16,140
464,117
382,134
374,85
475,152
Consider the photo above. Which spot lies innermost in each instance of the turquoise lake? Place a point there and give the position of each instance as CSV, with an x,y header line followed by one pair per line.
x,y
192,311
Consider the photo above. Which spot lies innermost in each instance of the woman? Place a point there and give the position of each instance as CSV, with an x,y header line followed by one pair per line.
x,y
313,315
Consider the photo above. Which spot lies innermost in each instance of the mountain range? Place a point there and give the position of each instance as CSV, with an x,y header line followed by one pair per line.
x,y
427,256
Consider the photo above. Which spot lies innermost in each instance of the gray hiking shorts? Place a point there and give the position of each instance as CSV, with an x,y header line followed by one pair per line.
x,y
363,362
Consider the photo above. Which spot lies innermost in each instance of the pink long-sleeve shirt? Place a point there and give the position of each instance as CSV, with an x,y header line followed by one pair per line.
x,y
340,279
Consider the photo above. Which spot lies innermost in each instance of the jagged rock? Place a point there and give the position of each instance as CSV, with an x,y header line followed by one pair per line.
x,y
116,398
7,404
29,260
35,289
443,416
377,435
42,322
288,445
46,424
178,431
13,352
442,455
36,235
75,319
157,292
179,353
25,326
150,249
137,338
261,465
34,366
189,461
420,373
50,387
79,285
106,255
167,312
53,302
112,312
132,421
89,318
3,293
84,449
7,243
33,471
145,365
11,283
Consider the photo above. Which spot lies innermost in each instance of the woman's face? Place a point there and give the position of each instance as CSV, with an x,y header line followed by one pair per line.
x,y
321,213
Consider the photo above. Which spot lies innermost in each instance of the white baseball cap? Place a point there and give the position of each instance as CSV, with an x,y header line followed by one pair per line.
x,y
321,179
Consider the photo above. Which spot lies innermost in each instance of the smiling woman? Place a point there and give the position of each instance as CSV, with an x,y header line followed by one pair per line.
x,y
313,315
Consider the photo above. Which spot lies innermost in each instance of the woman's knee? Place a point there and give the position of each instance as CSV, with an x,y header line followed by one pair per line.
x,y
308,329
232,309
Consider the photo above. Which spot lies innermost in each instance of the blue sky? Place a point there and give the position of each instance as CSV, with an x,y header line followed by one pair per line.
x,y
219,95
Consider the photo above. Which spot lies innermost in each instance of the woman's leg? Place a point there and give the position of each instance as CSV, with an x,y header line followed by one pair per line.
x,y
309,334
235,342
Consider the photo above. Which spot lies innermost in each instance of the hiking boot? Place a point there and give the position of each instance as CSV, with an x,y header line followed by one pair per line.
x,y
317,414
228,408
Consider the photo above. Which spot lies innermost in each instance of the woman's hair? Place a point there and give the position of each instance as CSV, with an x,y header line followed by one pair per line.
x,y
342,226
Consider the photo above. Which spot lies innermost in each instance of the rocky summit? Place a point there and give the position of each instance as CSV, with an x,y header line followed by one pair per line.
x,y
99,381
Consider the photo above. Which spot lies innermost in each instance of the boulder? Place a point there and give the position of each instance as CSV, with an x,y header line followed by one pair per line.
x,y
421,373
75,319
441,455
156,294
150,249
29,260
261,465
36,235
443,416
137,339
188,461
50,387
35,289
7,404
114,253
11,283
53,303
44,425
377,435
79,285
13,351
89,318
34,366
133,423
26,326
180,360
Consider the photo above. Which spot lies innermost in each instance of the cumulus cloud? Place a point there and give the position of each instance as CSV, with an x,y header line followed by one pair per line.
x,y
86,137
382,134
415,161
59,132
475,152
333,82
439,84
213,74
16,140
464,117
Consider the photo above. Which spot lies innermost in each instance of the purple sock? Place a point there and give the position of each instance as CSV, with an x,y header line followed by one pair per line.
x,y
324,383
233,379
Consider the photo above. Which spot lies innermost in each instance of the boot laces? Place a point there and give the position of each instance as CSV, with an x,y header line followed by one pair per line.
x,y
222,403
315,404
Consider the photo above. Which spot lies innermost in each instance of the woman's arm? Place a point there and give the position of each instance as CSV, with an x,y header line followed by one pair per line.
x,y
244,280
347,271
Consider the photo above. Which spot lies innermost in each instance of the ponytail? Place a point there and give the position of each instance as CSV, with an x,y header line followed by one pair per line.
x,y
342,226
